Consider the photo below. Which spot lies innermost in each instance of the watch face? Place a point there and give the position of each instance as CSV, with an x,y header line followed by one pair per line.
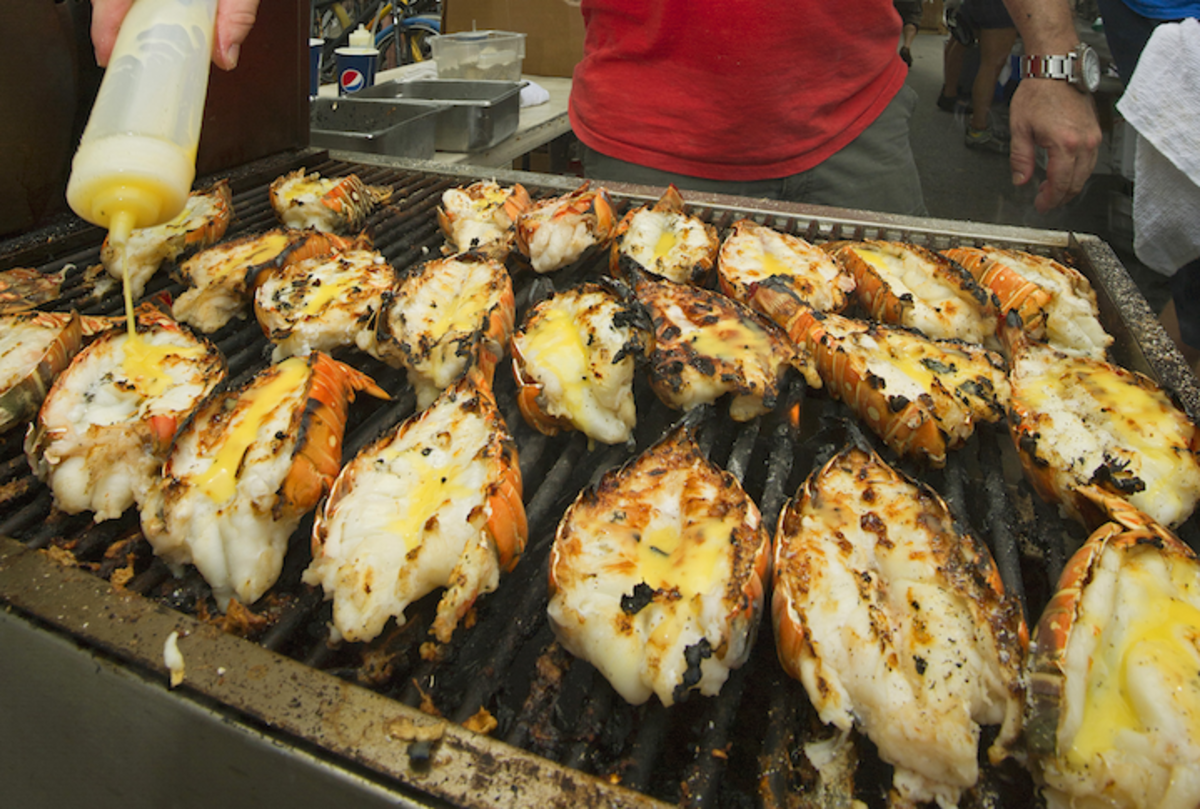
x,y
1090,69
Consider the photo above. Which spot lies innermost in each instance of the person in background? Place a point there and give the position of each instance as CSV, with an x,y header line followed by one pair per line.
x,y
910,17
1128,26
992,28
805,104
235,18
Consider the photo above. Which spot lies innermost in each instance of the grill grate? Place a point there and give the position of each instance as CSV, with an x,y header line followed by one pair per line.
x,y
742,748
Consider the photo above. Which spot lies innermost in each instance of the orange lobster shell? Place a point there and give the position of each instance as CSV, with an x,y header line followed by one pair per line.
x,y
693,267
340,205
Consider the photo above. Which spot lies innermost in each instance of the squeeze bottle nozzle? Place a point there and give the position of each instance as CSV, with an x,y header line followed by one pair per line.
x,y
137,158
362,38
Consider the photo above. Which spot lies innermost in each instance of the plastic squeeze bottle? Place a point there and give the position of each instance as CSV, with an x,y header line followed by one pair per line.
x,y
137,158
362,38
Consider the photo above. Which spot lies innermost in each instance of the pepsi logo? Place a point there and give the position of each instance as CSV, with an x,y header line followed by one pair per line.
x,y
352,80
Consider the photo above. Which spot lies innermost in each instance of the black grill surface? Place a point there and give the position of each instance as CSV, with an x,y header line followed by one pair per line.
x,y
742,748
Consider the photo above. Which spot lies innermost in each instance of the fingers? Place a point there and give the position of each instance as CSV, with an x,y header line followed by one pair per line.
x,y
106,21
1067,171
235,18
1053,115
1022,156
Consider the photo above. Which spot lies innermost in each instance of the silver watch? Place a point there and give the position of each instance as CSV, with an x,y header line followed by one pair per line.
x,y
1080,67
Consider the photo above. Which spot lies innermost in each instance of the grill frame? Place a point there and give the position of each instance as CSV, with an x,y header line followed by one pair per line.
x,y
356,727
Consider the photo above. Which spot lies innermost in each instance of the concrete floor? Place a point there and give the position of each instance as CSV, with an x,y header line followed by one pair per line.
x,y
963,184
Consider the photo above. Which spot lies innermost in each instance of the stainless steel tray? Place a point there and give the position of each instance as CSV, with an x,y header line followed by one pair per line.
x,y
395,128
477,114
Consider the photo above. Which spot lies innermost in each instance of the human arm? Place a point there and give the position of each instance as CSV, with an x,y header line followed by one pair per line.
x,y
235,18
1049,112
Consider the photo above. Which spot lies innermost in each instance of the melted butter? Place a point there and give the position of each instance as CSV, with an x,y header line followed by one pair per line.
x,y
492,197
458,315
773,266
688,560
1162,630
319,296
267,248
875,258
666,242
120,227
1136,408
219,481
557,344
435,487
731,340
145,364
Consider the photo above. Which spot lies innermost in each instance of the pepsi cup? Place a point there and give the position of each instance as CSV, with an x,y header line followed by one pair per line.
x,y
355,69
315,46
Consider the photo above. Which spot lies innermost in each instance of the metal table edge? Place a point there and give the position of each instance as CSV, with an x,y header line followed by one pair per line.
x,y
367,729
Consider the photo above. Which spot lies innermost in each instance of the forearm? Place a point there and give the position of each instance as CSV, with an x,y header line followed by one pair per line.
x,y
1046,26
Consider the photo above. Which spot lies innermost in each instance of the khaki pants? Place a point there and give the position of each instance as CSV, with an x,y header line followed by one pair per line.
x,y
874,172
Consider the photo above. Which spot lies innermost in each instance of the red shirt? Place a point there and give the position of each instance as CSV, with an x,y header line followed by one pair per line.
x,y
735,89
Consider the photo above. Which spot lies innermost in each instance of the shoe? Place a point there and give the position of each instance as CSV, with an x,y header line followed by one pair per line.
x,y
953,104
985,140
906,55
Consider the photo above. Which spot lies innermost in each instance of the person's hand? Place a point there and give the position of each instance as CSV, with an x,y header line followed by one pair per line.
x,y
235,18
1054,115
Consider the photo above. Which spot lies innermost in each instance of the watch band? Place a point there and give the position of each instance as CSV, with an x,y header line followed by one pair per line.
x,y
1047,67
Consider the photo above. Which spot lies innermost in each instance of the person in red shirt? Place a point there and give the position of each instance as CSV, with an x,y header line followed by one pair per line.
x,y
769,98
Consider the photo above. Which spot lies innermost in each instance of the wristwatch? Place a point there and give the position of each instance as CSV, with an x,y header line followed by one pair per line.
x,y
1080,67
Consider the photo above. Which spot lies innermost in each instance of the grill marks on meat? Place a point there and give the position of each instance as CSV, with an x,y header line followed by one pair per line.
x,y
246,468
435,502
1077,421
922,397
444,317
104,429
897,624
1114,711
331,205
203,221
656,574
664,240
221,279
707,345
480,217
553,233
753,254
574,359
1055,302
35,347
323,303
907,285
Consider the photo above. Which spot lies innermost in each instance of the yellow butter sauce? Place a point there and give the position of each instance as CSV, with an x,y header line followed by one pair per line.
x,y
1157,628
557,344
143,363
773,266
686,557
666,243
435,488
219,480
329,290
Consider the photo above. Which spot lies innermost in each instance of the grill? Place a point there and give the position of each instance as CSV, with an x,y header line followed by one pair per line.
x,y
562,736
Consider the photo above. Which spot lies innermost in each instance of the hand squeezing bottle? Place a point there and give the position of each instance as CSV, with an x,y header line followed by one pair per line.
x,y
137,158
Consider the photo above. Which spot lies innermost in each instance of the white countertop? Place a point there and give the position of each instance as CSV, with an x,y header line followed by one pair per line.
x,y
538,125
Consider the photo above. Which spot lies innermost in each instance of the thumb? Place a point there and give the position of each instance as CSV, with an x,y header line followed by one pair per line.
x,y
235,18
